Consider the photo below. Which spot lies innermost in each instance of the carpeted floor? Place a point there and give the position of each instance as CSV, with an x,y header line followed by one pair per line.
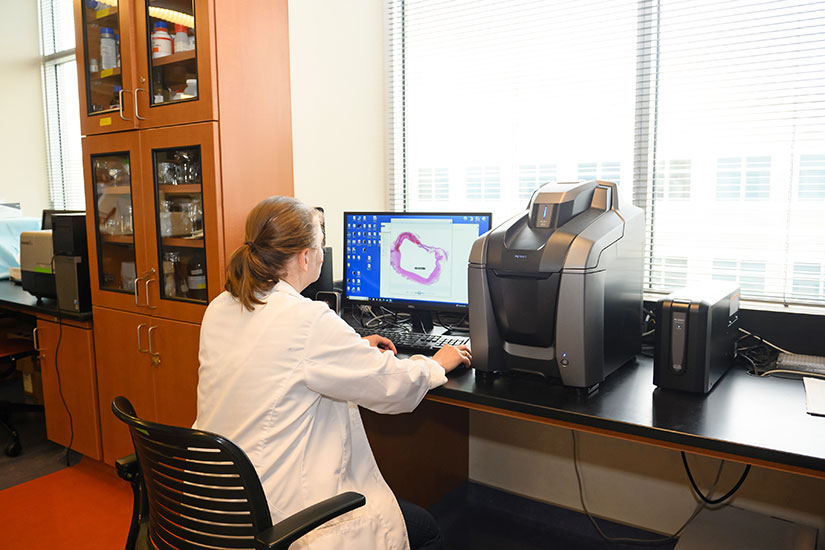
x,y
46,504
83,507
39,456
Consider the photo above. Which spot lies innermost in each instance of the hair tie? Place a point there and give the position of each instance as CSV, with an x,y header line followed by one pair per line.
x,y
251,246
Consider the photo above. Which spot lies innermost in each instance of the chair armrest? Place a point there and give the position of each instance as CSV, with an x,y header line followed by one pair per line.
x,y
128,467
287,531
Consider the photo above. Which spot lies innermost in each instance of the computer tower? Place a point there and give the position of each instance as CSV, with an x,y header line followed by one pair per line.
x,y
71,275
696,332
69,234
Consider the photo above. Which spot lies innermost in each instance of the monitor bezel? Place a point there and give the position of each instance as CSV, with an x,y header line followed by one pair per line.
x,y
399,304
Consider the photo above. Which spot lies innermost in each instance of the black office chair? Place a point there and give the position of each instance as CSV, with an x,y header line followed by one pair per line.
x,y
196,490
10,353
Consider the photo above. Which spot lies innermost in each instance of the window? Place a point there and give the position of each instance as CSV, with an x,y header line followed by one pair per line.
x,y
672,180
433,184
533,176
60,104
706,114
812,177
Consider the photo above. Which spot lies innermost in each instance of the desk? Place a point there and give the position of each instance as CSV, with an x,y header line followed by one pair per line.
x,y
65,346
14,298
760,421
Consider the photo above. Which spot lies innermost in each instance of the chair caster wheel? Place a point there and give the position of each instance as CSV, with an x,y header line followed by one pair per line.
x,y
13,448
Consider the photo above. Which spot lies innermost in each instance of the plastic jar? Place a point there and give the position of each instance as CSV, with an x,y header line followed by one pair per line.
x,y
161,40
191,87
108,49
181,38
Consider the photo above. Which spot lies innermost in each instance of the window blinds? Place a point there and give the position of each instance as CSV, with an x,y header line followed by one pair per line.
x,y
494,102
61,105
708,114
735,188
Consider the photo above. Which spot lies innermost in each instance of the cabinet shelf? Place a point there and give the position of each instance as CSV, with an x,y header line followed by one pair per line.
x,y
187,189
173,58
182,243
116,190
117,239
106,73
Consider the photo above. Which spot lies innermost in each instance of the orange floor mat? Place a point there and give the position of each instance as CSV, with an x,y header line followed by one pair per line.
x,y
85,506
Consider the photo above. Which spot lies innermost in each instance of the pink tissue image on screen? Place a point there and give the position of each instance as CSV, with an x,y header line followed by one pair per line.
x,y
395,259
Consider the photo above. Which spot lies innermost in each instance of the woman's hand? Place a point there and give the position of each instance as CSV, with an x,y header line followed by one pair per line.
x,y
381,343
450,357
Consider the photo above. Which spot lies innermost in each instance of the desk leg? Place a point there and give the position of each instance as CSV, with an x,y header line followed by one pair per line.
x,y
422,455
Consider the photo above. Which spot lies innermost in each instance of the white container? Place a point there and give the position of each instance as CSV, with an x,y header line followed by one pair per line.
x,y
108,49
181,42
191,87
161,40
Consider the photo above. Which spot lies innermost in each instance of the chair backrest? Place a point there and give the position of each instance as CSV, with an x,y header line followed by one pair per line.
x,y
203,491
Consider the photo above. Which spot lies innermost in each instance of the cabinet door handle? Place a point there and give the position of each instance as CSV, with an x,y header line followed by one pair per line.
x,y
136,104
149,332
136,290
139,345
120,103
146,285
36,342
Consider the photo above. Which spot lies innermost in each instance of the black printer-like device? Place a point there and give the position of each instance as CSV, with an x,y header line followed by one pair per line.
x,y
696,332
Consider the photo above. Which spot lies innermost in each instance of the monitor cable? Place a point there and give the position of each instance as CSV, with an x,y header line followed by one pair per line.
x,y
626,540
57,372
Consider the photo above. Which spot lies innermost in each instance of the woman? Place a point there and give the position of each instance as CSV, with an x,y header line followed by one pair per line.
x,y
283,376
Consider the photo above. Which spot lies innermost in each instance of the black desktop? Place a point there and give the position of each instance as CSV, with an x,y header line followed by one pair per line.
x,y
410,261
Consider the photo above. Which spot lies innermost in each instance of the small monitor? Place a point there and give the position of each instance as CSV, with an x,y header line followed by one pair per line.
x,y
410,260
46,221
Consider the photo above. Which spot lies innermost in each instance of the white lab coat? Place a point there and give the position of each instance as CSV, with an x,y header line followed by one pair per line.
x,y
284,382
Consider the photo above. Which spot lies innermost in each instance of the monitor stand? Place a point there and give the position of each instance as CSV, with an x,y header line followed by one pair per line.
x,y
421,321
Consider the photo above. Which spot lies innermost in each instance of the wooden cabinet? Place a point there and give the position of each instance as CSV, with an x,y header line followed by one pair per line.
x,y
178,148
144,88
70,395
153,362
155,237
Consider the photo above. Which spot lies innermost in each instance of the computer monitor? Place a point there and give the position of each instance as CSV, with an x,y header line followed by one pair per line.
x,y
46,217
410,261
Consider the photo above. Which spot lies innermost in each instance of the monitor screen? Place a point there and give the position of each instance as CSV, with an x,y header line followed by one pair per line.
x,y
410,259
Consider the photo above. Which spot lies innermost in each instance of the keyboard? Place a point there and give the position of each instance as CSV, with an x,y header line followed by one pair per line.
x,y
415,342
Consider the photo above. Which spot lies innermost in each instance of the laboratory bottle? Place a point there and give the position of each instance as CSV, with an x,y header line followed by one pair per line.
x,y
108,49
161,40
181,38
191,87
196,281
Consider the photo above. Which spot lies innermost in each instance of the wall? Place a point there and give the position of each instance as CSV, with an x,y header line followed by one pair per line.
x,y
336,64
23,176
626,481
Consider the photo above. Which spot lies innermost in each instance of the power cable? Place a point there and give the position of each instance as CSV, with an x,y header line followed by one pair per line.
x,y
626,540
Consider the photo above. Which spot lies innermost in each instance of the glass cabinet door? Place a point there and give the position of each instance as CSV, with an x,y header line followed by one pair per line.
x,y
112,188
172,54
179,223
101,34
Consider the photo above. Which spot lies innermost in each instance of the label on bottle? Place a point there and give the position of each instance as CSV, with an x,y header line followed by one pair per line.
x,y
196,282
